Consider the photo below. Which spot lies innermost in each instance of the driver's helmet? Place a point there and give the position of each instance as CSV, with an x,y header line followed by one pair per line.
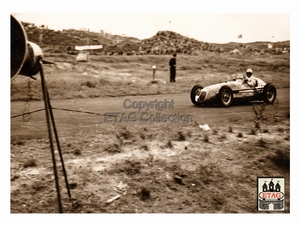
x,y
249,72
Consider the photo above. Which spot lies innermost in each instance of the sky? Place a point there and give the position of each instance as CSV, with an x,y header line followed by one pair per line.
x,y
213,28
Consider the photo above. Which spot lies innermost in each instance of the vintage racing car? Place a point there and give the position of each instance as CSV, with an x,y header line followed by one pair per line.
x,y
236,90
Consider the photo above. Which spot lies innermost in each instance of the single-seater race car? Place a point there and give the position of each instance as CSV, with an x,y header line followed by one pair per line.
x,y
237,90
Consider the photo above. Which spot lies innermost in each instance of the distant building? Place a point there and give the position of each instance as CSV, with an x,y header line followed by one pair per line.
x,y
270,45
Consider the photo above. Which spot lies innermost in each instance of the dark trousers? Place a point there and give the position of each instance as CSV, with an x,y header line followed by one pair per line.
x,y
172,73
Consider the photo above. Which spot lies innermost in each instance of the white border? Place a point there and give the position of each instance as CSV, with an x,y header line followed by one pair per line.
x,y
214,6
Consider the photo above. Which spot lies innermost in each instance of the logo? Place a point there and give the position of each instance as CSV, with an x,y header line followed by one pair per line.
x,y
270,194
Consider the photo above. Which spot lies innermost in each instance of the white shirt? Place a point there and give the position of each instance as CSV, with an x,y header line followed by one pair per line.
x,y
251,81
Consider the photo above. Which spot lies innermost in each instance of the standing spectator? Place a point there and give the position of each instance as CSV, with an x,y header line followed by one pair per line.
x,y
172,64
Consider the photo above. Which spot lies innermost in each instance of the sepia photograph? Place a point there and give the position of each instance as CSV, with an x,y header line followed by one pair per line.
x,y
158,112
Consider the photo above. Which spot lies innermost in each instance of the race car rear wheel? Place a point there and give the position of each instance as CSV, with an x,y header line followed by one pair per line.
x,y
195,92
269,93
225,96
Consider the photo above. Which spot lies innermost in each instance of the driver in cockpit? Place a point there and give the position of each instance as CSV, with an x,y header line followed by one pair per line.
x,y
250,80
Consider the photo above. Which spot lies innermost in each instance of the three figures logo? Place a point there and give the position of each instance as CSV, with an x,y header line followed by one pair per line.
x,y
270,194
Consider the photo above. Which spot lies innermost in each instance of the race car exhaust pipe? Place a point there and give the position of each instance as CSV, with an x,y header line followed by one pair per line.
x,y
25,55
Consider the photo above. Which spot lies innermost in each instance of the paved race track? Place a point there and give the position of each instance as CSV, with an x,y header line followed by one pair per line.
x,y
100,110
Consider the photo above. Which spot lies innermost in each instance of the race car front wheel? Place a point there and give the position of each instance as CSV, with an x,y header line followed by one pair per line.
x,y
195,92
269,93
225,96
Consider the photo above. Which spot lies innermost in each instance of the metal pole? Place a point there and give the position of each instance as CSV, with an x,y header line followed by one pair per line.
x,y
153,75
154,69
58,146
60,210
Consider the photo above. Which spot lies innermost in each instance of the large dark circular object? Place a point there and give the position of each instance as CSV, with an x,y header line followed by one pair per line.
x,y
18,46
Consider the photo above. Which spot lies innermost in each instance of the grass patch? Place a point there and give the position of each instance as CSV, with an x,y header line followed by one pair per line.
x,y
29,163
77,152
169,144
129,167
206,138
281,159
106,74
144,193
113,148
181,136
262,143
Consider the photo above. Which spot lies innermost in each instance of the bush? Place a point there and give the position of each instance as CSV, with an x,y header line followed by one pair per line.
x,y
113,148
206,138
29,163
130,167
281,159
77,152
240,135
181,136
89,84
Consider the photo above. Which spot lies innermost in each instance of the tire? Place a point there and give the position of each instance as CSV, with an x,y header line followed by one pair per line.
x,y
193,95
269,94
225,96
